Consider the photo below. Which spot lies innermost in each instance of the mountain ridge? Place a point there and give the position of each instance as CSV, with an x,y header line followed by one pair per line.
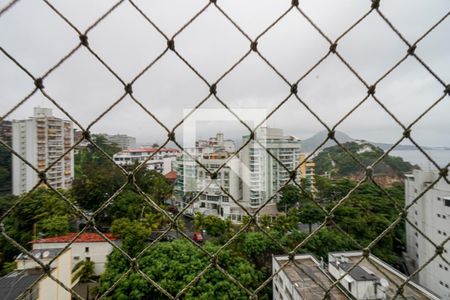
x,y
310,144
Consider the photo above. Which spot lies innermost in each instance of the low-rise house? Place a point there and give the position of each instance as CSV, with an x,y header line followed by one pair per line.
x,y
29,280
87,246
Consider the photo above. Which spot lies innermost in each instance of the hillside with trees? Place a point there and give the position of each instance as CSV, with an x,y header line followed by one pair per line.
x,y
337,163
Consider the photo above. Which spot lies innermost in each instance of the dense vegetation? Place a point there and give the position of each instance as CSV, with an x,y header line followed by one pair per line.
x,y
5,170
359,219
337,163
42,213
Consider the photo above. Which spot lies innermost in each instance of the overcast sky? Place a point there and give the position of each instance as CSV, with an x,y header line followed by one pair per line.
x,y
38,38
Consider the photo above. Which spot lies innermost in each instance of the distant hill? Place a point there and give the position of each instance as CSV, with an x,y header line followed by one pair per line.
x,y
336,163
310,144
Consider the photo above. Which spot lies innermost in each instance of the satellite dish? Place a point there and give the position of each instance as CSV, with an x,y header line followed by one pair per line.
x,y
384,282
45,254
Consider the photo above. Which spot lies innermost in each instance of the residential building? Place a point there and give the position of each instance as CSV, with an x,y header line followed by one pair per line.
x,y
123,140
87,246
306,172
251,177
42,140
431,215
263,175
26,280
158,160
359,278
192,178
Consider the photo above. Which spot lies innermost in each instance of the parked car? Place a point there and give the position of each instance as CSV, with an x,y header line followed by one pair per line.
x,y
198,237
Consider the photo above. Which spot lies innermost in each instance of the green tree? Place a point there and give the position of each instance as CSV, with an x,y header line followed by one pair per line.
x,y
5,171
133,234
310,214
40,207
173,265
291,196
54,225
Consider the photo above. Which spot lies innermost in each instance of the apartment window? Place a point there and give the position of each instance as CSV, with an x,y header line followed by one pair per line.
x,y
86,249
447,202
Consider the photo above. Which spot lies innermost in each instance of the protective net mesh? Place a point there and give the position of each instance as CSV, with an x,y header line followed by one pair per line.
x,y
292,91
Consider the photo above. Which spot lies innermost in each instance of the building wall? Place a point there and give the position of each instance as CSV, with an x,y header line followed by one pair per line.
x,y
41,140
431,214
97,253
50,289
265,175
283,288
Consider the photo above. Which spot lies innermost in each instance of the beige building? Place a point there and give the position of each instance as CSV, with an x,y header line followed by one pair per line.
x,y
87,246
27,279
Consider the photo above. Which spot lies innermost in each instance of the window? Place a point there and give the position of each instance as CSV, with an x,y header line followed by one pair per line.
x,y
88,258
447,202
86,249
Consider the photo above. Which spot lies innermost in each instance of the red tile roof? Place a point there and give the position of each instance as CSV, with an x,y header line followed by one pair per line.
x,y
151,149
171,175
88,237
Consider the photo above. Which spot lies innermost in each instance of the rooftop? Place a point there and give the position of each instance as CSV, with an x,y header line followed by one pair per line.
x,y
88,237
150,149
15,283
41,253
309,279
172,175
357,273
394,277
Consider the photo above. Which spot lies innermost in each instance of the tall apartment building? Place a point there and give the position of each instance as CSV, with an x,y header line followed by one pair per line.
x,y
263,175
192,178
41,140
431,215
250,178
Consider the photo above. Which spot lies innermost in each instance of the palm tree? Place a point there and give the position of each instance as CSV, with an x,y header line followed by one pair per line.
x,y
83,271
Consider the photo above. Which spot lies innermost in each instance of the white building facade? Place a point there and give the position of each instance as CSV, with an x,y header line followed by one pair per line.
x,y
431,215
160,160
263,175
192,178
41,140
123,140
